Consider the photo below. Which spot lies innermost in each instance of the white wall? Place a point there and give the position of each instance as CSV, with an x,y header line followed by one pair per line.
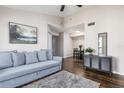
x,y
68,49
49,41
76,41
108,19
28,18
61,44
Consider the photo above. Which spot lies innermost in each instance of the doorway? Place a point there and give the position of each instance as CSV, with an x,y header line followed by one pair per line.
x,y
55,41
55,45
74,41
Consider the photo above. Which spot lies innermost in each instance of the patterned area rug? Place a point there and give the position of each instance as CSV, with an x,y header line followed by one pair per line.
x,y
64,79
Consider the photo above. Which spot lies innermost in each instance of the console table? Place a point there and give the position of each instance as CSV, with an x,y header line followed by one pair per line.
x,y
100,63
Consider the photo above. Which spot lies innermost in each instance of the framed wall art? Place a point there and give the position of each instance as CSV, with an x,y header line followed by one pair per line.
x,y
22,34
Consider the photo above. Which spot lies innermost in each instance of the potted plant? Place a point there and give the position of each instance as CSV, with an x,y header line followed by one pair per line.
x,y
89,50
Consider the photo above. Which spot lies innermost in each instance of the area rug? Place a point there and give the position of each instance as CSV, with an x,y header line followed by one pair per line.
x,y
63,79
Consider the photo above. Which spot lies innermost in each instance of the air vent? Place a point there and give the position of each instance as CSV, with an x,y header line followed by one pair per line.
x,y
91,24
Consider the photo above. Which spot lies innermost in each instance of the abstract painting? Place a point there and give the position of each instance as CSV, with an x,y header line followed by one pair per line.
x,y
22,34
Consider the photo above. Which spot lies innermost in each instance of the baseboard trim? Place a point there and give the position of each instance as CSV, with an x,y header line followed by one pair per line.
x,y
118,73
67,56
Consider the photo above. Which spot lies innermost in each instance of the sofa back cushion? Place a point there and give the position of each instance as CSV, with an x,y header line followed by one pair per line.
x,y
49,54
5,60
42,55
31,57
18,59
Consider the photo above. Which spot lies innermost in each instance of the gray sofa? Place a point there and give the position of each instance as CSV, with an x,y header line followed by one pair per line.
x,y
17,69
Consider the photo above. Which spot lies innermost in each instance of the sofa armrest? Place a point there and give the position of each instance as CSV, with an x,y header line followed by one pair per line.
x,y
57,58
60,59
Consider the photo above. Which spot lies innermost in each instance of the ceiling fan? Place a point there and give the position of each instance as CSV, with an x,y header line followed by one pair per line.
x,y
63,7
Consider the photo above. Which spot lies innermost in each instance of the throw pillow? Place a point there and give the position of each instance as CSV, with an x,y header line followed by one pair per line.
x,y
31,57
42,55
5,60
18,58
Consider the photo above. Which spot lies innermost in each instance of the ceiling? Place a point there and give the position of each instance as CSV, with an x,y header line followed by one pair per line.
x,y
74,31
77,30
53,10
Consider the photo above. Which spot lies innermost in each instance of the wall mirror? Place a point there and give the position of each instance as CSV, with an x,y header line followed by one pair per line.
x,y
102,44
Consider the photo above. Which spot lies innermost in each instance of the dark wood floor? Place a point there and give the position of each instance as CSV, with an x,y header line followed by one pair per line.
x,y
106,81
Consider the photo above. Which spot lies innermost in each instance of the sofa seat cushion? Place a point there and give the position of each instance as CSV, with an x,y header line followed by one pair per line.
x,y
13,72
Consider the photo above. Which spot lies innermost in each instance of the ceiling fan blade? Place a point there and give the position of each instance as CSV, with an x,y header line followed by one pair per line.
x,y
62,8
79,5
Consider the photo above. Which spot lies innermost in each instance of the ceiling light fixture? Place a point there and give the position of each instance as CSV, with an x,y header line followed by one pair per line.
x,y
78,31
63,7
